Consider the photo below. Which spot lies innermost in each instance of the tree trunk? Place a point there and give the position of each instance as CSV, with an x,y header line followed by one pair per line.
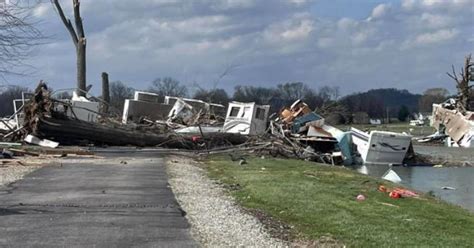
x,y
79,40
81,67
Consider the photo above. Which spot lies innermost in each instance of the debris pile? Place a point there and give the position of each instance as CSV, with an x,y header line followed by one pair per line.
x,y
454,128
47,118
306,132
295,132
458,126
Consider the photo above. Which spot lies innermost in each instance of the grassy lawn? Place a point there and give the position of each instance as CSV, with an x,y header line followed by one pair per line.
x,y
394,127
319,201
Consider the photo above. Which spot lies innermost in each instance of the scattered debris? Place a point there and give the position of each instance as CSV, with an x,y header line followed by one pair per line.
x,y
46,120
294,132
388,204
403,193
360,197
6,154
448,188
392,176
41,142
456,126
420,120
394,195
9,144
398,192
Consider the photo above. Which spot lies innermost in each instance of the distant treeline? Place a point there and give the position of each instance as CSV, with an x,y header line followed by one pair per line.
x,y
327,100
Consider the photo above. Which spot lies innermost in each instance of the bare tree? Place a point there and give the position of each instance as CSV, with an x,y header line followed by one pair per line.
x,y
462,84
219,96
328,93
168,87
430,96
7,96
291,92
118,93
18,35
79,40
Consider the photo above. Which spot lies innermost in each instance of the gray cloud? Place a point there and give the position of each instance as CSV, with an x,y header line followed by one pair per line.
x,y
406,45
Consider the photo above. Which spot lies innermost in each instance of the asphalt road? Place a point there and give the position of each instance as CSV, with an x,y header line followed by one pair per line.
x,y
84,205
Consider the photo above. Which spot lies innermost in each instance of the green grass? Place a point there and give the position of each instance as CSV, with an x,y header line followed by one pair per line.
x,y
393,127
320,201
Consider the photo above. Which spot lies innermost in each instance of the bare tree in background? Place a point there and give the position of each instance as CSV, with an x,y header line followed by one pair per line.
x,y
168,87
7,96
462,84
219,96
18,35
291,92
430,96
79,40
118,93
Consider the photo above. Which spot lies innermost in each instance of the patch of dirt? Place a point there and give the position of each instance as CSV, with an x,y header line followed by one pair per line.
x,y
275,227
323,242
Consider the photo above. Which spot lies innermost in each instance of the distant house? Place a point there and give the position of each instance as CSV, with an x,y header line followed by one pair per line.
x,y
375,121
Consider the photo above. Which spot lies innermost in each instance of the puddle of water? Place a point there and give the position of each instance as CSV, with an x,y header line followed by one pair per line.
x,y
428,179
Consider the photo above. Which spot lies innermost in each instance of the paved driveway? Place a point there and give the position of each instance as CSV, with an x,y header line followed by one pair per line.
x,y
86,205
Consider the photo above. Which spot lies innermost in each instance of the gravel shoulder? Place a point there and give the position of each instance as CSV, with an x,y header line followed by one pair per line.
x,y
216,219
13,173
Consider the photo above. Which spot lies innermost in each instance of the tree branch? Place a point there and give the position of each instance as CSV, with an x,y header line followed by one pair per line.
x,y
66,22
453,76
78,19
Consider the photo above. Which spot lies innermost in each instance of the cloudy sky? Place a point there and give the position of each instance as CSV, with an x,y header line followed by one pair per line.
x,y
354,44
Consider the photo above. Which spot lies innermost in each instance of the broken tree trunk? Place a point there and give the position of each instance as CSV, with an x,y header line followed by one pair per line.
x,y
73,132
105,92
68,131
462,84
79,40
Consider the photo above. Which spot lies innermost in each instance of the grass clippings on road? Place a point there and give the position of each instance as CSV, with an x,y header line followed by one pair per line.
x,y
319,202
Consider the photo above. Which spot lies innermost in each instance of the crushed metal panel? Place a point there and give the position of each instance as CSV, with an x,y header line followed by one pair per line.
x,y
199,105
146,97
246,118
19,116
314,131
84,111
301,124
133,110
181,110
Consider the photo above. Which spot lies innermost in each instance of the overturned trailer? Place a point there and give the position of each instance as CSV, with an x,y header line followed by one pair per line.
x,y
246,118
144,105
380,147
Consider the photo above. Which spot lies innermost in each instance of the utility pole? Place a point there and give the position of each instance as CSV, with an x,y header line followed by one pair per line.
x,y
388,115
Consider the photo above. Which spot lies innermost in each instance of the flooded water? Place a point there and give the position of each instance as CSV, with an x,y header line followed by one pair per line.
x,y
426,179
